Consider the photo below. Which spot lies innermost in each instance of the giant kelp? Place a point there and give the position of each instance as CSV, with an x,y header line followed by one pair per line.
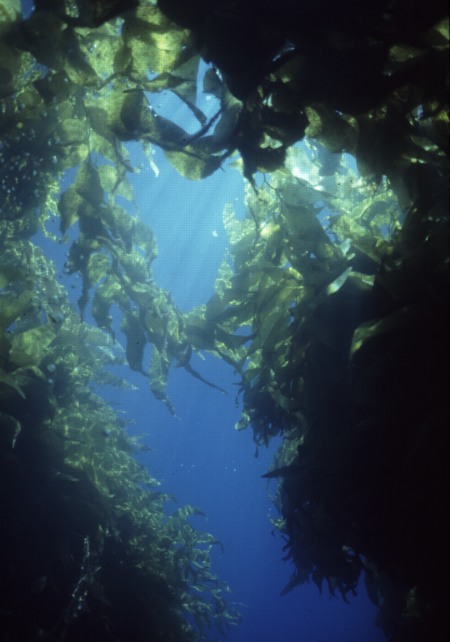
x,y
87,549
345,354
333,309
323,306
72,106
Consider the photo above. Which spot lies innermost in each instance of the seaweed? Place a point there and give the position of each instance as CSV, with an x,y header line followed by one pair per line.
x,y
95,521
330,305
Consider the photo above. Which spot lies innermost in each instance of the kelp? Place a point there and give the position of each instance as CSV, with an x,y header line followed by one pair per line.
x,y
96,521
323,304
113,254
74,447
343,316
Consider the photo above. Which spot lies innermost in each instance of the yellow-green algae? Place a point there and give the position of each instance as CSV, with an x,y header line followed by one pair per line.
x,y
331,304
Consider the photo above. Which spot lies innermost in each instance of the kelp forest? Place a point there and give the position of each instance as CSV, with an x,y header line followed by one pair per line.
x,y
330,305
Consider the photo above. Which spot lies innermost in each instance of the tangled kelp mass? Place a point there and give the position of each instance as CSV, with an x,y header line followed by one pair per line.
x,y
88,551
331,304
338,357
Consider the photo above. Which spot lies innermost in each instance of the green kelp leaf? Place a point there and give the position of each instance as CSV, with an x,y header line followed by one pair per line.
x,y
75,61
337,132
359,283
306,232
70,154
281,284
223,136
154,45
163,324
108,378
143,294
191,162
88,184
107,293
13,306
376,212
392,323
199,332
47,50
123,112
98,266
240,233
205,334
231,347
298,194
54,88
29,347
145,239
69,205
99,118
71,134
134,332
121,226
123,60
273,330
438,36
113,181
138,120
10,11
336,285
159,372
217,303
100,49
180,515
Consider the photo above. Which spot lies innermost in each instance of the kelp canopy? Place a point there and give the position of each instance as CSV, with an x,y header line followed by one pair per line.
x,y
331,304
